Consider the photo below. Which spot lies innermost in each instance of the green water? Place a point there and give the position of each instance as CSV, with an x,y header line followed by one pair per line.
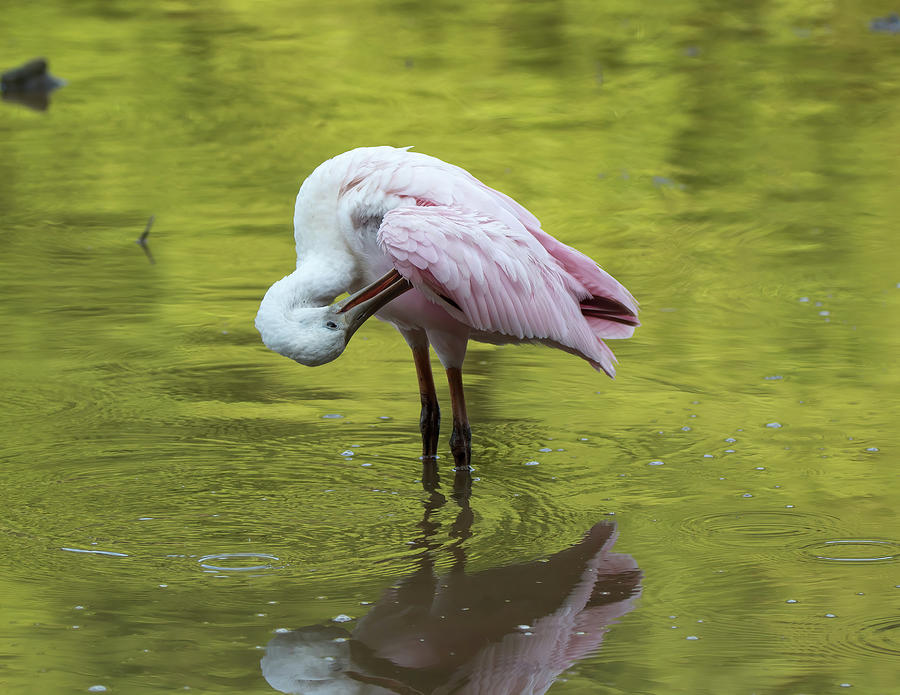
x,y
735,164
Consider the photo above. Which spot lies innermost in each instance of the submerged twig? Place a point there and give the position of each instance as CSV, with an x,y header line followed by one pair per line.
x,y
142,240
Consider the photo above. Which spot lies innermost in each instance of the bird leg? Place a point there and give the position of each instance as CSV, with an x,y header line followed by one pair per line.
x,y
430,419
461,437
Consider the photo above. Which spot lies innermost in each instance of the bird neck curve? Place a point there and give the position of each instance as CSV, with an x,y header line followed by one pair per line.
x,y
315,283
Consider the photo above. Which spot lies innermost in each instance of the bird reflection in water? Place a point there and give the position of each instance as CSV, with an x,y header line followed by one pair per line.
x,y
504,631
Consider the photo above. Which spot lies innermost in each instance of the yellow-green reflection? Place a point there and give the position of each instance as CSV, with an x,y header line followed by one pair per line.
x,y
734,164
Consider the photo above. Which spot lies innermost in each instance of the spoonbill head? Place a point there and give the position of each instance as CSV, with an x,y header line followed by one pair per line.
x,y
316,335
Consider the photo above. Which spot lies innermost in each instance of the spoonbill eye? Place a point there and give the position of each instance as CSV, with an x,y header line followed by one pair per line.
x,y
331,324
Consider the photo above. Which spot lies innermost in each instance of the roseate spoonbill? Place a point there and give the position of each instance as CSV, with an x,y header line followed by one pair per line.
x,y
426,246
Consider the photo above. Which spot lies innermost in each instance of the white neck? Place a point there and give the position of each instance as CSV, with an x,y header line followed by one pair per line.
x,y
315,283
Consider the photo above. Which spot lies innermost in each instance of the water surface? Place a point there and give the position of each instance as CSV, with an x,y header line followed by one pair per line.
x,y
174,498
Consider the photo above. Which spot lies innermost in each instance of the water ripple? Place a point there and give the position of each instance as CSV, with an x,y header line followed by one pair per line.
x,y
223,562
879,636
854,550
758,528
874,637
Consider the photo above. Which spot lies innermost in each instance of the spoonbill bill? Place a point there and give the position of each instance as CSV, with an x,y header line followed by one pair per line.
x,y
426,246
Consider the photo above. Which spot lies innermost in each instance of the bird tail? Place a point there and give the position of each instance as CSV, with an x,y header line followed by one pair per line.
x,y
611,310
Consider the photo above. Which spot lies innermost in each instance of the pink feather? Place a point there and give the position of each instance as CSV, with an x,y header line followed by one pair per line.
x,y
457,239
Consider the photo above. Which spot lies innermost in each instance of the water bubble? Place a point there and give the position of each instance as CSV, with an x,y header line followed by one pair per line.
x,y
545,449
532,463
708,456
729,451
332,416
730,440
342,618
830,615
774,377
824,313
803,299
366,465
746,494
761,468
685,429
773,425
656,463
792,600
872,449
347,452
97,689
692,637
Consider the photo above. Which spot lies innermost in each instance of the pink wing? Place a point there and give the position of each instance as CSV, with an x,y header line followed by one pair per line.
x,y
495,279
427,180
504,292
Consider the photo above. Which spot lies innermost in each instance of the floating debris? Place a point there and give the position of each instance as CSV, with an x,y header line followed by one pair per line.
x,y
666,182
885,25
30,84
108,553
142,239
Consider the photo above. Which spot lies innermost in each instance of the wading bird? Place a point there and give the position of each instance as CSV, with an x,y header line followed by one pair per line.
x,y
426,246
